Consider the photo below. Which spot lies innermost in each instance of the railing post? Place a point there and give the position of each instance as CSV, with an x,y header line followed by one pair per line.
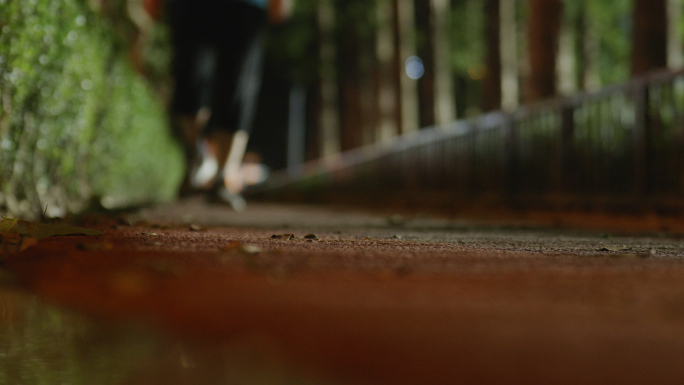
x,y
567,158
642,142
511,156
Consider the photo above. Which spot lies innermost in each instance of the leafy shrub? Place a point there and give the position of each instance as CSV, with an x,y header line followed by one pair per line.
x,y
77,124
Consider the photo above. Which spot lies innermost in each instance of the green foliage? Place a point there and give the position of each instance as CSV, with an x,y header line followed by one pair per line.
x,y
606,36
613,27
292,46
467,35
75,121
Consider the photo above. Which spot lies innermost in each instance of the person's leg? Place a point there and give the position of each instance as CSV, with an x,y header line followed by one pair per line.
x,y
234,98
233,179
188,118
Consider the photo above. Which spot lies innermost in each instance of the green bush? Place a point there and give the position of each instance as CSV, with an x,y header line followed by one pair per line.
x,y
77,124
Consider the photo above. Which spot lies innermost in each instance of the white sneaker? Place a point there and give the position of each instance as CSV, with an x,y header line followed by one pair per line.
x,y
207,170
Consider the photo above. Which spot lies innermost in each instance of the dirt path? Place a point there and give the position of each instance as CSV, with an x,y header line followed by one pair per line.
x,y
380,299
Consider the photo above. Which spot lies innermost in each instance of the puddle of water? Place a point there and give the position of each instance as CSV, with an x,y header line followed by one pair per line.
x,y
42,344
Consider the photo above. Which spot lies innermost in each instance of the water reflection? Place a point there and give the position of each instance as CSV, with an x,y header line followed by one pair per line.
x,y
42,344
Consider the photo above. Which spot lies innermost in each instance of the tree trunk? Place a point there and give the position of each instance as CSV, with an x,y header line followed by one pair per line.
x,y
388,95
544,28
491,86
444,91
370,77
591,48
510,90
675,54
404,48
329,129
426,52
649,36
567,66
315,101
349,75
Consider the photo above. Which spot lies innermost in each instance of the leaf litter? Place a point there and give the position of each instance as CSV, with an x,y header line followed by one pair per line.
x,y
18,235
623,252
283,236
613,248
289,237
42,230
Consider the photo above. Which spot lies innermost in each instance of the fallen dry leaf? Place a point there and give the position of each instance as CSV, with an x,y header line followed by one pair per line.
x,y
27,243
13,242
42,230
283,236
613,248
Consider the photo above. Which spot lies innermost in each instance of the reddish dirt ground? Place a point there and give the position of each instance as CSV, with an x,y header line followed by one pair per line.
x,y
386,299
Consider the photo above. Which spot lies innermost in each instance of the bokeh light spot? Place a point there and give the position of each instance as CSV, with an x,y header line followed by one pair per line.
x,y
414,67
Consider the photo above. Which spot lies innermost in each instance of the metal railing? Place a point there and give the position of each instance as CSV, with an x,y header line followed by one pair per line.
x,y
623,145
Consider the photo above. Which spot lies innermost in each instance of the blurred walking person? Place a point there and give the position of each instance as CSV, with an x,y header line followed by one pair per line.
x,y
217,64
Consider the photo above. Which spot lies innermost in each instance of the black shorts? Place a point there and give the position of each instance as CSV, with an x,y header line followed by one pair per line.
x,y
217,60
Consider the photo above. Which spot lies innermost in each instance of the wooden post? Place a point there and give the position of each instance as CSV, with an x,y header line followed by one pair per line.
x,y
510,90
642,142
649,36
405,48
512,159
426,52
445,106
349,76
544,28
388,91
567,156
675,54
491,86
329,117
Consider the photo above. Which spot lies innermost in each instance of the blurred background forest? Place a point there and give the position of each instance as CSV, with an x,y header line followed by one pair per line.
x,y
350,73
340,75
